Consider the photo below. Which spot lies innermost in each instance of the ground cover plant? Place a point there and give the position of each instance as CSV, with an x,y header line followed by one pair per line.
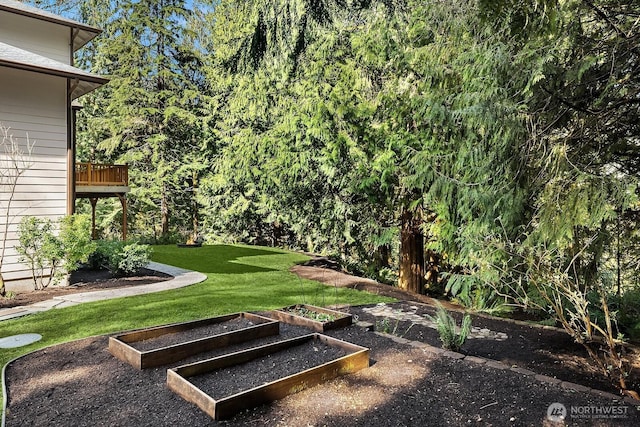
x,y
239,278
310,314
451,336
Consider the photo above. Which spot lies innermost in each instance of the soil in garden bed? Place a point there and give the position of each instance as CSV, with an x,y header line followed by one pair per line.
x,y
85,280
191,334
266,369
80,384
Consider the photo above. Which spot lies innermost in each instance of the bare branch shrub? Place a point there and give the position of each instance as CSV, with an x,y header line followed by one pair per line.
x,y
546,273
14,162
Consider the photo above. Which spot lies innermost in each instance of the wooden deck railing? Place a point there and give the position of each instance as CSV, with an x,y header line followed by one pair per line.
x,y
99,174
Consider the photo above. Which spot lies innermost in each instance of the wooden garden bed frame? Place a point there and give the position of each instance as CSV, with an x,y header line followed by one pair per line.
x,y
341,319
120,348
224,408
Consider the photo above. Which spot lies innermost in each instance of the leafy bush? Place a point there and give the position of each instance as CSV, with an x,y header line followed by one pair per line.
x,y
99,259
46,253
468,291
40,249
75,237
119,257
629,314
484,300
587,313
451,338
130,259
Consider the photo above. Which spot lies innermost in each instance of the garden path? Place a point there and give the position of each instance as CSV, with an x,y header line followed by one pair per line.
x,y
181,278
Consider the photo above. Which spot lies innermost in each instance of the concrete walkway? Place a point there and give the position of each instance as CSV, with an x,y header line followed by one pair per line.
x,y
181,278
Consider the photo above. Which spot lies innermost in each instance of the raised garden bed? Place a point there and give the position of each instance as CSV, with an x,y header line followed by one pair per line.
x,y
315,318
305,362
166,344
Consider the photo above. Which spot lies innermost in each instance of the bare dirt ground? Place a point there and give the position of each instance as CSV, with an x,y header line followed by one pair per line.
x,y
409,382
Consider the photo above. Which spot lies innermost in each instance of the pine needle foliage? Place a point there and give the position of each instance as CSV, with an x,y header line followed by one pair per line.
x,y
149,115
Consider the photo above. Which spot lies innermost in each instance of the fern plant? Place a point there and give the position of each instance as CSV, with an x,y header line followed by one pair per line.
x,y
452,338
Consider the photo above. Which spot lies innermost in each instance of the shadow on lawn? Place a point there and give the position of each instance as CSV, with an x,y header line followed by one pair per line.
x,y
223,259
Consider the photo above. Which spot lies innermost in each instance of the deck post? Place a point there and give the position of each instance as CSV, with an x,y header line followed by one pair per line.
x,y
123,201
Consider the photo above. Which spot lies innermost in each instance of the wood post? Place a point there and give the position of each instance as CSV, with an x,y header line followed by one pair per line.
x,y
123,201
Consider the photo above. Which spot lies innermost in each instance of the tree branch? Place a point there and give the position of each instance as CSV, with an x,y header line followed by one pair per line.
x,y
605,17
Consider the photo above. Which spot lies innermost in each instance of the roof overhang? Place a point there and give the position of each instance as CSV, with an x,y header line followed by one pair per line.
x,y
82,33
81,82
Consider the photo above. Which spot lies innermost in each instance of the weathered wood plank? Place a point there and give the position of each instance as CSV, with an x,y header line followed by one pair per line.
x,y
120,346
341,319
228,406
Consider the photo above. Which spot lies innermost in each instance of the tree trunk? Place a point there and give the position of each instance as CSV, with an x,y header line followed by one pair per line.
x,y
381,257
411,254
276,234
432,270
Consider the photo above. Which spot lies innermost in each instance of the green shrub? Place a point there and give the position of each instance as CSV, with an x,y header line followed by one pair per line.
x,y
99,259
130,259
120,258
483,300
75,236
40,249
451,338
628,314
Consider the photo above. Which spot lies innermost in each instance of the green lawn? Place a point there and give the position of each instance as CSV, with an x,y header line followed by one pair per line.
x,y
240,278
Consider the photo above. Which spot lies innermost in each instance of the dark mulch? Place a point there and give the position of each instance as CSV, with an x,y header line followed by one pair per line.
x,y
235,379
546,351
85,280
81,384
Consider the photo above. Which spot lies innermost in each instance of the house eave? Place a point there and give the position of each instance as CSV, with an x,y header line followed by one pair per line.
x,y
82,82
84,33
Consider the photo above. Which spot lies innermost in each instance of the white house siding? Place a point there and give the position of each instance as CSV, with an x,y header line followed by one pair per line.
x,y
34,105
41,37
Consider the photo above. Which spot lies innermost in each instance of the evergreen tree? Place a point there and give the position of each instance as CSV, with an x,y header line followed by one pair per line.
x,y
445,133
583,114
148,116
385,116
284,167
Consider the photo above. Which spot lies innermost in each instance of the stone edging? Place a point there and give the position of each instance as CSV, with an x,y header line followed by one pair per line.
x,y
633,346
498,365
